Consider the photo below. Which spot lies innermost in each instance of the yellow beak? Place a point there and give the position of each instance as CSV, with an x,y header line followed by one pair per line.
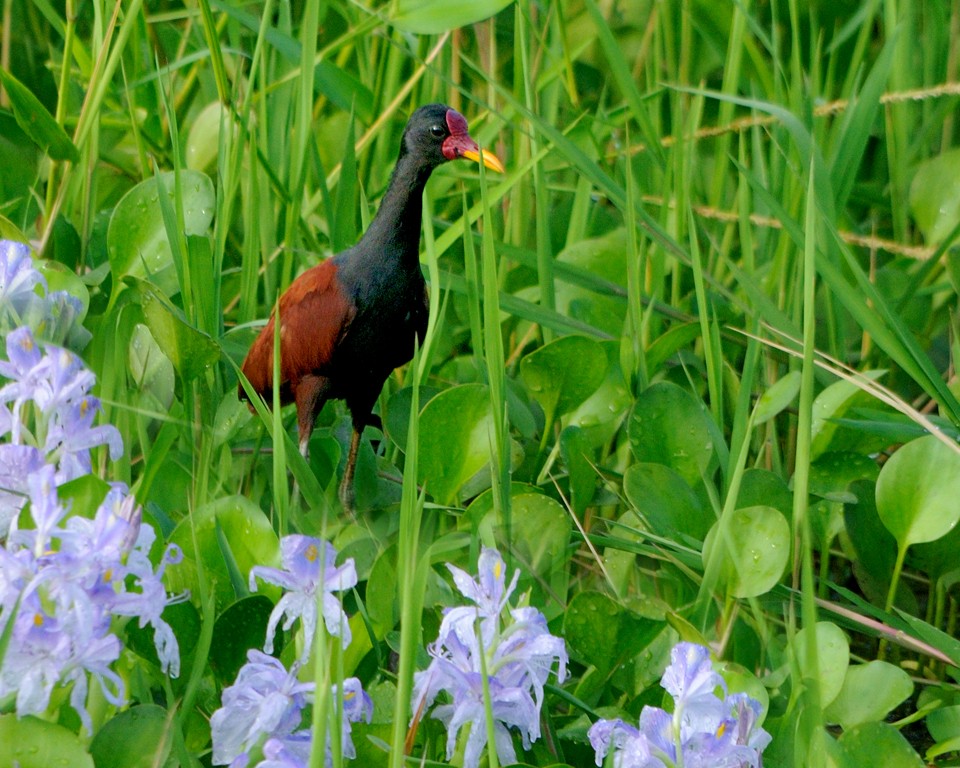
x,y
489,159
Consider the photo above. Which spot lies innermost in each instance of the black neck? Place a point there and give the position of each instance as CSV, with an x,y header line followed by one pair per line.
x,y
397,223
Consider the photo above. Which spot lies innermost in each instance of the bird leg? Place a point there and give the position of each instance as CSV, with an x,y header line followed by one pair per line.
x,y
346,485
310,396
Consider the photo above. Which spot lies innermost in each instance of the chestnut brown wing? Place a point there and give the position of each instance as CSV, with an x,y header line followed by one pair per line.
x,y
315,312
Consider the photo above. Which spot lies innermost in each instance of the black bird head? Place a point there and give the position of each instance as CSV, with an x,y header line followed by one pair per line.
x,y
438,133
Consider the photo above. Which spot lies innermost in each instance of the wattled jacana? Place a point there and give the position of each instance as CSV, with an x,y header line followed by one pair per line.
x,y
346,323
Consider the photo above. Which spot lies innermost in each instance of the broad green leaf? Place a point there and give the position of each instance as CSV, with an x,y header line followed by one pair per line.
x,y
562,374
832,474
27,742
870,691
756,549
578,455
604,258
917,491
669,343
252,542
455,439
381,601
831,404
666,501
777,397
600,415
238,629
600,632
875,548
832,653
36,122
937,558
944,722
140,737
203,140
760,486
137,242
10,231
397,420
875,744
668,426
433,17
151,369
191,351
935,196
540,535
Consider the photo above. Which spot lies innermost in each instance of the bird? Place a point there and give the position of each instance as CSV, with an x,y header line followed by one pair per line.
x,y
349,321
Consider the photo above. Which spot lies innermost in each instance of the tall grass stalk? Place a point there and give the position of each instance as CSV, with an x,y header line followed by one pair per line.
x,y
494,357
811,743
540,193
412,567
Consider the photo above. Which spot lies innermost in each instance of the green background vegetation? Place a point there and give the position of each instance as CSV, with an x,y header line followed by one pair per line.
x,y
673,352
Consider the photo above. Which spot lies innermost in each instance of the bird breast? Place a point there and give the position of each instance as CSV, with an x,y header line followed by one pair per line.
x,y
392,311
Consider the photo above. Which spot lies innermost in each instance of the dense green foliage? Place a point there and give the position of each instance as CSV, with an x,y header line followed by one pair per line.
x,y
682,364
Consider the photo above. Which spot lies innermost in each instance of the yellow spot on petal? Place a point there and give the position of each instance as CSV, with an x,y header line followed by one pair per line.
x,y
349,695
108,574
312,553
497,569
38,619
721,730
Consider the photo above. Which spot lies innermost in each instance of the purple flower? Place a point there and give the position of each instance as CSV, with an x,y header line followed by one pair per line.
x,y
57,383
289,752
704,731
518,656
72,435
308,566
630,746
489,594
65,382
265,701
71,576
692,682
26,368
45,509
17,463
265,708
149,602
94,658
18,279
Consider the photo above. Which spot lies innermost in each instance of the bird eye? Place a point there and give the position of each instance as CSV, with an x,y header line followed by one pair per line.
x,y
437,130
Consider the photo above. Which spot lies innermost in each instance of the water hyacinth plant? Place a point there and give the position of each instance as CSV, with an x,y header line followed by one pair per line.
x,y
703,731
489,647
309,573
25,300
263,711
66,580
263,716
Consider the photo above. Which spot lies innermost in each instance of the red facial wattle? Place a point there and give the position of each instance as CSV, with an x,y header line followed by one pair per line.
x,y
460,144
